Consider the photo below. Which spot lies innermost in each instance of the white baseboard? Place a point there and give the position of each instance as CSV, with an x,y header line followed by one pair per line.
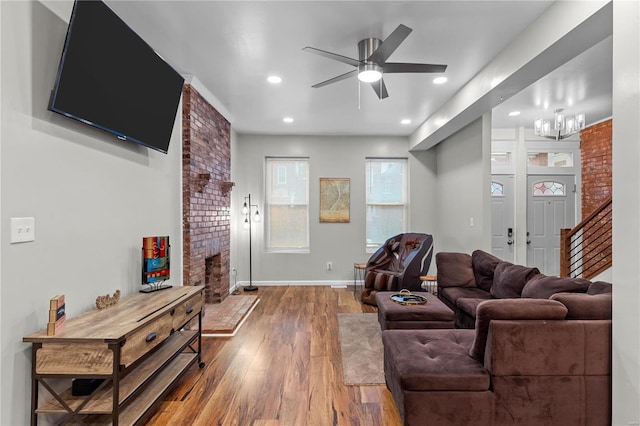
x,y
334,283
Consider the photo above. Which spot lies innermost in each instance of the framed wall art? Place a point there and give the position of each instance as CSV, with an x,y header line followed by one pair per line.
x,y
334,200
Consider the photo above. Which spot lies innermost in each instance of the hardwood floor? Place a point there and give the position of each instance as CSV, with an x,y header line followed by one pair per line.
x,y
282,368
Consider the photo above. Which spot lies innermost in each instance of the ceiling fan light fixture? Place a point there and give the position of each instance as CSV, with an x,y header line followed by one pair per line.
x,y
369,73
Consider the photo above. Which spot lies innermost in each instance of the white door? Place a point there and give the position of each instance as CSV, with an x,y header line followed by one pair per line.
x,y
502,217
551,206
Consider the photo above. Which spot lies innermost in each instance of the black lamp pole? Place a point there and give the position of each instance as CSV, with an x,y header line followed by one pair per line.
x,y
248,219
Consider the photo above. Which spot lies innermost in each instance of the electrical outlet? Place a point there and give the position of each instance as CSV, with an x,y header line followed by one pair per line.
x,y
329,266
23,229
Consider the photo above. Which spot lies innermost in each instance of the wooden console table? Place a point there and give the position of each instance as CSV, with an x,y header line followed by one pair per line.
x,y
138,347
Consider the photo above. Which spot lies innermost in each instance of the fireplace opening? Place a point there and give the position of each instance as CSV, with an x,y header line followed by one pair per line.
x,y
213,279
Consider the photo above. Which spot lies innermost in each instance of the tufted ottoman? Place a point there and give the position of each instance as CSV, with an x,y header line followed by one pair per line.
x,y
433,379
433,314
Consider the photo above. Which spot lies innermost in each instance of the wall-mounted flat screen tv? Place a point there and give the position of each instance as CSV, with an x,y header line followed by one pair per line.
x,y
110,78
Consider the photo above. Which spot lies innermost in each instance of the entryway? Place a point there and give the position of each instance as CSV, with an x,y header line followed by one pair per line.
x,y
551,206
534,188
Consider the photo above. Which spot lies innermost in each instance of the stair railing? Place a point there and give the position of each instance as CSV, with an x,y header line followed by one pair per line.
x,y
586,250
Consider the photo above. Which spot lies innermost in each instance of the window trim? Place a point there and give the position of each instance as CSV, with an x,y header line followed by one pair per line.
x,y
370,248
277,177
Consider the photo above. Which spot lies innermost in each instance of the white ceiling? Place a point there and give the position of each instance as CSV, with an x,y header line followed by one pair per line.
x,y
232,46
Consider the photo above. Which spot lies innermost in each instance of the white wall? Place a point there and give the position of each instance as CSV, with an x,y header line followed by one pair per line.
x,y
449,184
626,212
341,243
92,196
463,185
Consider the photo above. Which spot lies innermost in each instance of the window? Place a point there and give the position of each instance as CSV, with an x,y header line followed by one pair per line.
x,y
287,205
550,159
541,189
497,189
500,160
386,187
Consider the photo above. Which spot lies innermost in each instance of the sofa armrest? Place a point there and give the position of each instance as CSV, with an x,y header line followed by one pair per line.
x,y
586,306
507,309
548,348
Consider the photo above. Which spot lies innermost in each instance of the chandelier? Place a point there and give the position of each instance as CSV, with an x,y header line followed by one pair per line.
x,y
563,126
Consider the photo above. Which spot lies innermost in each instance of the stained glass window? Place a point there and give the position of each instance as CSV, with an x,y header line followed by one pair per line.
x,y
497,189
546,188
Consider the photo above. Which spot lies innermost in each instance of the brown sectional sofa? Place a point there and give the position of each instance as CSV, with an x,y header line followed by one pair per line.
x,y
465,281
528,362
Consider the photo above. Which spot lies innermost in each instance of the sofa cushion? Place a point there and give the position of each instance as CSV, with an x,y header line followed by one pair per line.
x,y
469,305
454,270
484,265
509,279
542,287
433,360
599,287
511,309
455,293
586,306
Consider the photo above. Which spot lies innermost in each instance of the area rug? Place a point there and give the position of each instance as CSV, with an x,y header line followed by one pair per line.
x,y
361,349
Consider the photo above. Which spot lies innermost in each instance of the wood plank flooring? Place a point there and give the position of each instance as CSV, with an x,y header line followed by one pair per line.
x,y
282,368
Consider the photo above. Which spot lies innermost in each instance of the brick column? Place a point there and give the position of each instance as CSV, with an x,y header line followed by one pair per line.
x,y
206,164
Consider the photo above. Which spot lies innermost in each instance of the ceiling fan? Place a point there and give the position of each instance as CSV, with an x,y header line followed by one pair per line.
x,y
372,63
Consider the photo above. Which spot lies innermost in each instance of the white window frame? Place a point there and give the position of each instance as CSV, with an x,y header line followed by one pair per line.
x,y
277,174
571,147
373,246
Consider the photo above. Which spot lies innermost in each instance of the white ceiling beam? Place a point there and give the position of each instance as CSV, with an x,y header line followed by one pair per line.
x,y
562,32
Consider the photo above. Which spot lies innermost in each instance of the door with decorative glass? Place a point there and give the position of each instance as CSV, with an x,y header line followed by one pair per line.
x,y
502,217
551,206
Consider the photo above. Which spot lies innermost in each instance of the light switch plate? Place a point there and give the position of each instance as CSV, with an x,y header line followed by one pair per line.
x,y
23,229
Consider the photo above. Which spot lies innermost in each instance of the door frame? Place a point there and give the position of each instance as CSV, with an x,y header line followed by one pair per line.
x,y
550,263
519,142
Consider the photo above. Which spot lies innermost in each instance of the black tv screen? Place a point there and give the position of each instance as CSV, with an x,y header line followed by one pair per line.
x,y
111,79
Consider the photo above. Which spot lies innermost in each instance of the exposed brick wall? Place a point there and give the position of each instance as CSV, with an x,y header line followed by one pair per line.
x,y
596,146
596,154
206,149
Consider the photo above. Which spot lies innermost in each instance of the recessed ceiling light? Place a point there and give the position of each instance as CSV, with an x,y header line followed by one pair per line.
x,y
274,79
405,121
514,113
288,120
440,80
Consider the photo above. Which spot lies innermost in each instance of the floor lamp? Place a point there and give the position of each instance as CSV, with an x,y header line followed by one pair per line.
x,y
246,211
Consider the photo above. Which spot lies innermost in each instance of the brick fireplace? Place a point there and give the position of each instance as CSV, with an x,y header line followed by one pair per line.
x,y
206,172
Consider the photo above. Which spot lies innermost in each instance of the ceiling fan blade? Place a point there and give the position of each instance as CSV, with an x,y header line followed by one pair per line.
x,y
336,79
380,88
395,67
390,44
334,56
